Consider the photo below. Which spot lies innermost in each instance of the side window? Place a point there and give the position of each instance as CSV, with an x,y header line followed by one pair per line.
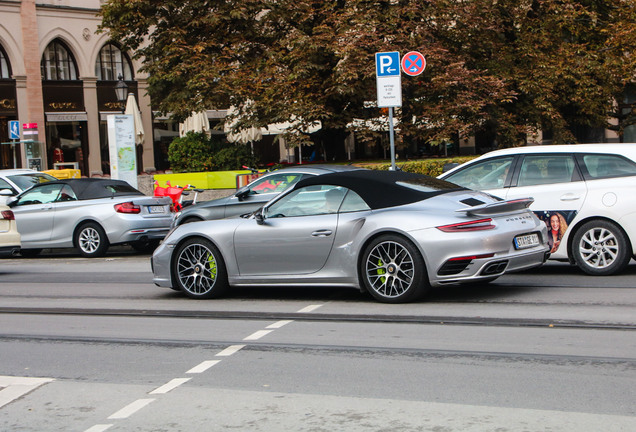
x,y
42,195
545,169
605,166
308,201
67,194
274,183
488,174
5,185
353,203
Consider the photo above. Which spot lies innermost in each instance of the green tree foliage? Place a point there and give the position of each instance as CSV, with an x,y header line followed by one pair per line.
x,y
197,152
512,66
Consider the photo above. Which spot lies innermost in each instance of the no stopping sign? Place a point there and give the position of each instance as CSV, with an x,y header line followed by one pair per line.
x,y
413,63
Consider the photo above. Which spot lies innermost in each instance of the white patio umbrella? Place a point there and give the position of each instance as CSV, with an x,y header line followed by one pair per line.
x,y
133,110
197,122
243,136
279,128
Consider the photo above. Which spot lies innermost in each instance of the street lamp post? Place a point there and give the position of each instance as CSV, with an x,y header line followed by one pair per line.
x,y
121,91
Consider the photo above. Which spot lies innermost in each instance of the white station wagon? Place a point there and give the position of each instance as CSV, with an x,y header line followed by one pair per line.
x,y
585,193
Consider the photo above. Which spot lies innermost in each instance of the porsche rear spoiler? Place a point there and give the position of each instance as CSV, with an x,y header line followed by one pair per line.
x,y
498,207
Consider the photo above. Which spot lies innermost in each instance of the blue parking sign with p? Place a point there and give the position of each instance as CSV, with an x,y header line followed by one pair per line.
x,y
14,129
387,64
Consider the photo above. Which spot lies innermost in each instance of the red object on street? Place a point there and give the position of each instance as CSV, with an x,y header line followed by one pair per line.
x,y
174,192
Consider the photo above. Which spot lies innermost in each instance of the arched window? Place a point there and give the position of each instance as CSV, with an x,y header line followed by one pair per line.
x,y
58,63
5,67
111,63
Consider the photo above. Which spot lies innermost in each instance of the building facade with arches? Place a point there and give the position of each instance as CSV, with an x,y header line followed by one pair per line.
x,y
58,72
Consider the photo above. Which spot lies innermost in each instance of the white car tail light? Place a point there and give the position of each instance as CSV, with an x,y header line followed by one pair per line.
x,y
8,215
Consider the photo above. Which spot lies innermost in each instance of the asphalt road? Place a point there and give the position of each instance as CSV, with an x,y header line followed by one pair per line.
x,y
93,345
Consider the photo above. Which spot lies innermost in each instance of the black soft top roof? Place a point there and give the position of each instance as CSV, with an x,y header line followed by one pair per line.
x,y
382,189
93,188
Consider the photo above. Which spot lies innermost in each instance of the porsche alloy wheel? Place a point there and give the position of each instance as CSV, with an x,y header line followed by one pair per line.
x,y
91,240
600,248
199,269
393,270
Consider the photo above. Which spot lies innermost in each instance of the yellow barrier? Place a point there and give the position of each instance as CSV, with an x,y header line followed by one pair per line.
x,y
201,180
64,173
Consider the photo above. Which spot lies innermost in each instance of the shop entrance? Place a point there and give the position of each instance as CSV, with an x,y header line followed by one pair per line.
x,y
67,142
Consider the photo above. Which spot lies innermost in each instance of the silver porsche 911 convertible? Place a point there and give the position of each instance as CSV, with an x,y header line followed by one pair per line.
x,y
391,233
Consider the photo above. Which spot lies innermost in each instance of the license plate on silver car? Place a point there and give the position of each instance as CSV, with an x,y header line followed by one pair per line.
x,y
526,241
156,209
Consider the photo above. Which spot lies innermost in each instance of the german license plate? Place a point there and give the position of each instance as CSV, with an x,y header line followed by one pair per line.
x,y
156,209
526,241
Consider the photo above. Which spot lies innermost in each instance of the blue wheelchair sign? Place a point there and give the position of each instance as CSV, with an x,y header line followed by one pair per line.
x,y
14,129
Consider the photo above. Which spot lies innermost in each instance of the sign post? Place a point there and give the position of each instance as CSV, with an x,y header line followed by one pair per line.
x,y
389,86
14,136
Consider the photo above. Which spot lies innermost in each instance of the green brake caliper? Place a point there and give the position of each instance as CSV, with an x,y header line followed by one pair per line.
x,y
212,266
381,271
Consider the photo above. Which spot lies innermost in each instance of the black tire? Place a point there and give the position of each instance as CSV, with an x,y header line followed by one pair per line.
x,y
600,248
30,253
91,241
145,246
392,270
198,269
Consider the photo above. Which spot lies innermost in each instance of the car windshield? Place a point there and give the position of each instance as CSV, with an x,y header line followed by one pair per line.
x,y
28,180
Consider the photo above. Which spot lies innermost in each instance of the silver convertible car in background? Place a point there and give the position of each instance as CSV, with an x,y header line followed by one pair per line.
x,y
89,214
254,195
391,233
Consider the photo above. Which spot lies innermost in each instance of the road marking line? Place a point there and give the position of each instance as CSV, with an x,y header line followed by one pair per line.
x,y
12,388
203,366
309,308
257,335
129,410
279,324
230,350
170,385
98,428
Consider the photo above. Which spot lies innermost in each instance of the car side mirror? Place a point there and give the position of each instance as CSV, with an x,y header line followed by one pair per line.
x,y
260,216
11,201
6,192
242,194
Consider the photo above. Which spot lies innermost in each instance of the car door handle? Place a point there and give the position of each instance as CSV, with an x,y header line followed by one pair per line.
x,y
321,233
46,207
570,197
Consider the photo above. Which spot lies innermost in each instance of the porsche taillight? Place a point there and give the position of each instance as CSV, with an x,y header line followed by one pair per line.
x,y
127,207
478,225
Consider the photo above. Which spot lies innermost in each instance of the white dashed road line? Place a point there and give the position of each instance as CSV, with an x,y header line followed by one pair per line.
x,y
309,308
279,324
203,366
98,428
200,368
12,388
129,410
257,335
230,350
171,385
